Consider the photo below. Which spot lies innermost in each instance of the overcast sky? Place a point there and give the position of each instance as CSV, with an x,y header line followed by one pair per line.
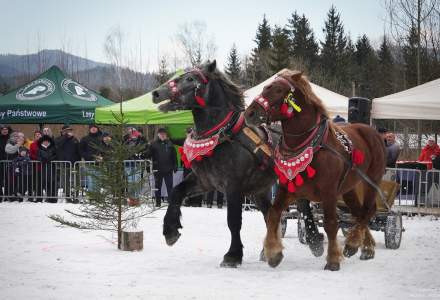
x,y
150,26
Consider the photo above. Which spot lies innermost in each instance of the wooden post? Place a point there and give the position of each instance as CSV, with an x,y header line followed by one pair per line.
x,y
132,241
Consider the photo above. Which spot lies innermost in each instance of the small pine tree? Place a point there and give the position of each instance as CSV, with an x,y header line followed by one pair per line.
x,y
162,74
233,69
107,206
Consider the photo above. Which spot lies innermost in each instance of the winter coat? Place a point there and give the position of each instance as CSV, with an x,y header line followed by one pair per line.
x,y
89,146
163,155
11,148
429,151
3,141
22,166
33,150
49,154
141,144
393,151
67,149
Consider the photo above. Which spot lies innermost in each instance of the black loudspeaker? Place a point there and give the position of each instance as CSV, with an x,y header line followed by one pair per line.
x,y
359,110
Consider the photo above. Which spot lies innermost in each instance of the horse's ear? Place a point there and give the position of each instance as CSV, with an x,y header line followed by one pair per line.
x,y
296,75
212,65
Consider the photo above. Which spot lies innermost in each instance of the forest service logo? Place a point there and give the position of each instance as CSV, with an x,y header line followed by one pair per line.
x,y
78,91
37,89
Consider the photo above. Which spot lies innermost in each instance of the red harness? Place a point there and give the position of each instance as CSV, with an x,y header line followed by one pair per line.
x,y
197,149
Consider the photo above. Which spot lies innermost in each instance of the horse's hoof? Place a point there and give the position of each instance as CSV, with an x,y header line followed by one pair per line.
x,y
317,248
349,251
171,239
332,266
231,262
262,256
367,254
275,261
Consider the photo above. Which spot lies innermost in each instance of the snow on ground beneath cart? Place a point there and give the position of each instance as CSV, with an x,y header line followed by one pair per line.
x,y
40,260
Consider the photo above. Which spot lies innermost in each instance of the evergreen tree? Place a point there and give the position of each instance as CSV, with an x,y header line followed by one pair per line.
x,y
367,64
263,38
303,46
108,206
386,69
279,56
260,68
334,44
233,69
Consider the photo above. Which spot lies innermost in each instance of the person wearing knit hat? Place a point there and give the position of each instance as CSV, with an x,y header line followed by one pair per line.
x,y
22,171
4,137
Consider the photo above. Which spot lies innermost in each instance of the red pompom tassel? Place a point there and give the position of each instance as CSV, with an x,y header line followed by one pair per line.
x,y
310,172
180,149
298,180
275,169
283,178
284,108
291,187
209,153
200,101
357,157
199,158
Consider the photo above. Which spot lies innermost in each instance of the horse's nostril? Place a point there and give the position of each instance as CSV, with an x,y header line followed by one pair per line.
x,y
155,94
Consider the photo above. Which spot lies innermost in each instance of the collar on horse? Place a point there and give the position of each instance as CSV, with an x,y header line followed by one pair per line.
x,y
203,145
290,162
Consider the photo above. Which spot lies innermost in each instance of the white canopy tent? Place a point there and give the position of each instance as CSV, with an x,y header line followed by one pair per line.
x,y
418,103
336,104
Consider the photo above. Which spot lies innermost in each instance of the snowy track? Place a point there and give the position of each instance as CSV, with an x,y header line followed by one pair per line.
x,y
40,260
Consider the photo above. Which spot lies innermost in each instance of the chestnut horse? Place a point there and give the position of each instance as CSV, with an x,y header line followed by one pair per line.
x,y
332,159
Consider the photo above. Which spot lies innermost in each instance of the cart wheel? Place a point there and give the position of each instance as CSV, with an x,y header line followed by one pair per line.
x,y
393,231
283,225
301,230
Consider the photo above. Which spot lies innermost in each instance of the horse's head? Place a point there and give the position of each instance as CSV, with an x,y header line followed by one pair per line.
x,y
289,94
201,87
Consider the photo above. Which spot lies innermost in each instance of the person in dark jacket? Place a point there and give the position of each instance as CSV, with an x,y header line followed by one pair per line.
x,y
89,145
164,158
89,149
46,154
5,132
67,146
22,168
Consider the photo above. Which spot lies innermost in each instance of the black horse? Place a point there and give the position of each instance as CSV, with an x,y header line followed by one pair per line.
x,y
217,153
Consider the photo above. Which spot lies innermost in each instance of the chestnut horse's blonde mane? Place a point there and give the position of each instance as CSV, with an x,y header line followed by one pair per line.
x,y
300,81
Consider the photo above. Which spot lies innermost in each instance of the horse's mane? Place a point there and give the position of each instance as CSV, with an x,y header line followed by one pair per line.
x,y
302,83
231,89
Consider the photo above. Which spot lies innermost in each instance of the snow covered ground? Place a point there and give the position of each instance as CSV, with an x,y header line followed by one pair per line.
x,y
40,260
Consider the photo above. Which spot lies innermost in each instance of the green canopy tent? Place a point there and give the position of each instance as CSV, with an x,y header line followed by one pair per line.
x,y
51,98
142,111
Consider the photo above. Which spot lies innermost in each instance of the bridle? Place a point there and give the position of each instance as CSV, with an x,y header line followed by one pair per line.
x,y
268,107
198,88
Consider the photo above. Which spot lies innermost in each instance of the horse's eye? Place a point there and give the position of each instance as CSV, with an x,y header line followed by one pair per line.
x,y
190,79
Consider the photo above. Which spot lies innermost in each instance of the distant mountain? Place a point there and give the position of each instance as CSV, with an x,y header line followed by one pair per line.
x,y
16,70
12,65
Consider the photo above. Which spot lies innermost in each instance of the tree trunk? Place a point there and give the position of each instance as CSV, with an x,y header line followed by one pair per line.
x,y
132,241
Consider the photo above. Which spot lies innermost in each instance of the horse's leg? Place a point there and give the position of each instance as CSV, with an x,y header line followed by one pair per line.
x,y
314,239
234,256
171,222
369,210
272,244
263,201
331,228
355,235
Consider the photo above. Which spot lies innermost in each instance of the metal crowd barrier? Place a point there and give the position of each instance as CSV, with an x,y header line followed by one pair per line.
x,y
419,191
61,181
